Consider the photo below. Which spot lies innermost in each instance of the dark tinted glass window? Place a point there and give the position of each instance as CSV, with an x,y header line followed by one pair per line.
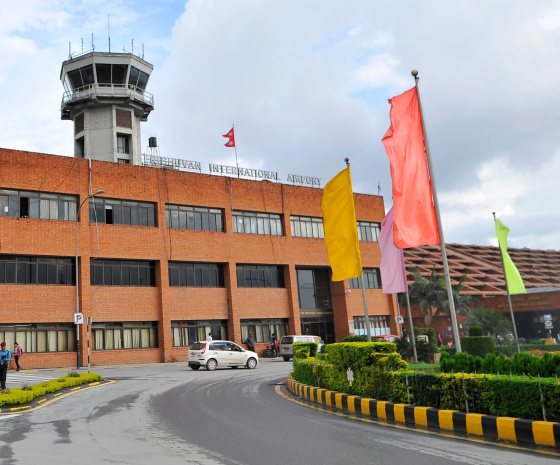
x,y
103,73
260,276
190,274
36,270
122,273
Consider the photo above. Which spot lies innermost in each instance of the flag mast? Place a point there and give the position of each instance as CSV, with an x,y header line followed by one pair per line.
x,y
508,295
362,285
235,147
442,241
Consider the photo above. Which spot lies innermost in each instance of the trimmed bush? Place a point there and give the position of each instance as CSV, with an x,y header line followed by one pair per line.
x,y
478,345
305,349
476,330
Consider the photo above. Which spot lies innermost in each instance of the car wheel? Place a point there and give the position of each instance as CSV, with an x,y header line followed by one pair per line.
x,y
211,364
251,363
286,359
195,367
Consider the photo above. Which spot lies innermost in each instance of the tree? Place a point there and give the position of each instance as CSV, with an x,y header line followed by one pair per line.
x,y
430,294
463,302
427,293
492,321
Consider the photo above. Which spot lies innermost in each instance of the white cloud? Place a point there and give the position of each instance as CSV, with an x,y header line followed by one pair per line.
x,y
306,85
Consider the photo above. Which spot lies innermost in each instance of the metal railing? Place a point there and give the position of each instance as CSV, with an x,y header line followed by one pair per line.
x,y
107,90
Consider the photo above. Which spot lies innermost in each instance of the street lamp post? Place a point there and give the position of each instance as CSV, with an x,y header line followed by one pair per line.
x,y
77,282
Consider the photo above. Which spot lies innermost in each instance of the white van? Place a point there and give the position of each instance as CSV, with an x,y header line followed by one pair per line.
x,y
286,350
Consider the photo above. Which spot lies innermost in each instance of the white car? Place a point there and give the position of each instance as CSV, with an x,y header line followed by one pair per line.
x,y
213,354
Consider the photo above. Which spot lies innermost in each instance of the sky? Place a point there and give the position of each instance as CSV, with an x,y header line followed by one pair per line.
x,y
306,84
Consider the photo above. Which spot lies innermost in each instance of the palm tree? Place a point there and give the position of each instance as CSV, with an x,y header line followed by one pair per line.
x,y
463,302
430,294
427,293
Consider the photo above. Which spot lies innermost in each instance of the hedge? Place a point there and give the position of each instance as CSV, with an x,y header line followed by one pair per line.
x,y
515,396
520,364
23,395
305,349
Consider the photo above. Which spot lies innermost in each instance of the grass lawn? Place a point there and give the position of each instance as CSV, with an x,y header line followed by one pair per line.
x,y
422,366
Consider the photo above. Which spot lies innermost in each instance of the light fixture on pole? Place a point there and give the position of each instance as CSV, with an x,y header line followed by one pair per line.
x,y
78,318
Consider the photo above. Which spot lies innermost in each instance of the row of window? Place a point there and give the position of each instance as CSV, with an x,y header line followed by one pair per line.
x,y
36,270
41,205
24,204
61,337
313,283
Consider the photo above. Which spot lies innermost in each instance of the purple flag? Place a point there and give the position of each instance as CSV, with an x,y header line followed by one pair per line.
x,y
393,271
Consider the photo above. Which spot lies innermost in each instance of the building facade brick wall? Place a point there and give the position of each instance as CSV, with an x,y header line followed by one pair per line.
x,y
163,303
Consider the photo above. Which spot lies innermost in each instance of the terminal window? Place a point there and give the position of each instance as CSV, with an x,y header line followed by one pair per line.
x,y
372,280
257,223
368,232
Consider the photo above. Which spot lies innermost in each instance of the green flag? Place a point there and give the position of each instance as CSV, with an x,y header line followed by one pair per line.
x,y
513,278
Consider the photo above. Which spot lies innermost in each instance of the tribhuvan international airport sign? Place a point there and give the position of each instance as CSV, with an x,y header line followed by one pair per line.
x,y
246,172
179,164
166,162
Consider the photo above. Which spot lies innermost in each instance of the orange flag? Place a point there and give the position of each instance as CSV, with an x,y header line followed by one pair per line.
x,y
415,221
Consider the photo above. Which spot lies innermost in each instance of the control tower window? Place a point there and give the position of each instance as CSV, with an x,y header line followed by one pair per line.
x,y
81,77
137,78
123,143
108,74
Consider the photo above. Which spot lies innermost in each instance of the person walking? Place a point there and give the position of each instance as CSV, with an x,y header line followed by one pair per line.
x,y
5,358
273,345
250,343
209,337
17,354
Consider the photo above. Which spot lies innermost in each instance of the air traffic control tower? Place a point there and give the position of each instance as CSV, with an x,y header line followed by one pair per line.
x,y
105,96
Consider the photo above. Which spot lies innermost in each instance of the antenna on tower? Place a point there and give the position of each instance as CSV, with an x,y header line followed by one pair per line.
x,y
378,187
69,50
133,46
92,46
109,33
142,51
82,45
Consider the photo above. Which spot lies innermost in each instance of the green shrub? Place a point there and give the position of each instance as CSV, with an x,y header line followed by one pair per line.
x,y
478,345
476,330
486,394
489,364
310,348
23,395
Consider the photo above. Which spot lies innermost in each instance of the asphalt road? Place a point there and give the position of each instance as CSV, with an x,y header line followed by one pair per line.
x,y
169,414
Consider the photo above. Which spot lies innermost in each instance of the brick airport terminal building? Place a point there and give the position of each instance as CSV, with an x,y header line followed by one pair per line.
x,y
165,257
150,254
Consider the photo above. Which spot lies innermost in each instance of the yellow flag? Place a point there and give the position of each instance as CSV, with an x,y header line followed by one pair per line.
x,y
513,278
341,229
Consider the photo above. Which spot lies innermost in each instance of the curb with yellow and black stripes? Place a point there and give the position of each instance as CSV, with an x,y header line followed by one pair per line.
x,y
513,430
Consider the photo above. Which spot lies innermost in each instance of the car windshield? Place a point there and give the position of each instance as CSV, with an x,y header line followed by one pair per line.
x,y
198,345
287,340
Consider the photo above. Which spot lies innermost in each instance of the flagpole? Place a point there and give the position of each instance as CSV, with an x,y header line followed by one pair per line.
x,y
508,295
412,335
436,206
362,285
235,147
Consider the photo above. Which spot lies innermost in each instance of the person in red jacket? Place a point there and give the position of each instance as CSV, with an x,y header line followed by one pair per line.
x,y
17,354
